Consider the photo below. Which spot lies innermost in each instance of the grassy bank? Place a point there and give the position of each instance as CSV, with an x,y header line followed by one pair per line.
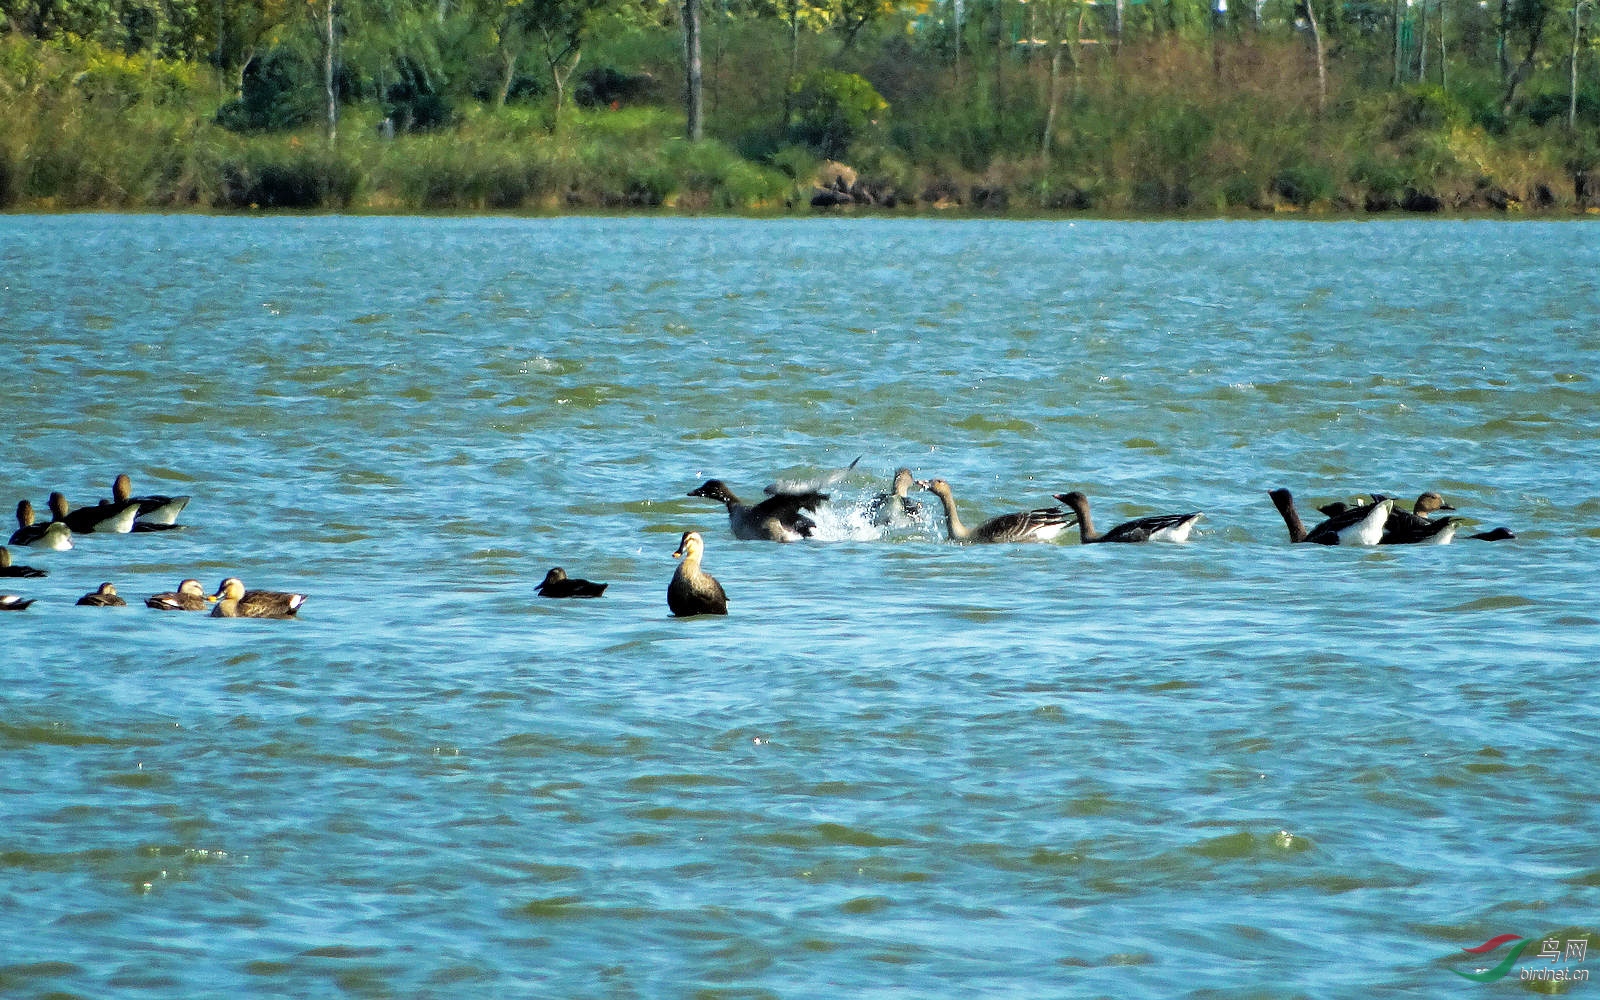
x,y
1162,129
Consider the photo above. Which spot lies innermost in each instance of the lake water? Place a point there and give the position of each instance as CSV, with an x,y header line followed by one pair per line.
x,y
899,767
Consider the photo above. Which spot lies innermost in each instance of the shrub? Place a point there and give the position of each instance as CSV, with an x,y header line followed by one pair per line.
x,y
281,91
830,109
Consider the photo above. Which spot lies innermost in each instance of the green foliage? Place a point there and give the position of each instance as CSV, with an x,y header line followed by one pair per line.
x,y
1425,108
1304,184
302,177
830,109
282,90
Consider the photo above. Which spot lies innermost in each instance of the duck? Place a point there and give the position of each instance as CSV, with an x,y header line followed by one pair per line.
x,y
155,512
8,569
104,597
1155,528
233,601
895,509
779,518
52,535
693,591
109,518
558,584
1038,525
1361,525
11,602
189,596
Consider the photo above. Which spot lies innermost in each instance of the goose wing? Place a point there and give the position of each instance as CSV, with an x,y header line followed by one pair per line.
x,y
1038,525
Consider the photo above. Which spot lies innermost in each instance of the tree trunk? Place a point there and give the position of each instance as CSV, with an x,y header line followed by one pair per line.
x,y
1535,33
1422,42
1572,91
508,73
1322,56
691,45
1055,99
328,41
1399,53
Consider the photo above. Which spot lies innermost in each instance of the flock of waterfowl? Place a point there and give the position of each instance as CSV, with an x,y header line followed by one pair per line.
x,y
122,514
785,515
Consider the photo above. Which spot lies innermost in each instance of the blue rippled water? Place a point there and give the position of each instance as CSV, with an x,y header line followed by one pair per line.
x,y
1229,768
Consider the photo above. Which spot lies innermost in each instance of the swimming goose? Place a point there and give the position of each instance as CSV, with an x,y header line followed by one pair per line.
x,y
112,518
1155,528
7,569
558,584
1361,525
1038,525
233,601
775,519
693,591
11,602
155,512
52,535
189,596
1493,535
105,597
894,509
1414,527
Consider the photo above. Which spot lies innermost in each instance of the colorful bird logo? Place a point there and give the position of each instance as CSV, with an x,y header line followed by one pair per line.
x,y
1504,968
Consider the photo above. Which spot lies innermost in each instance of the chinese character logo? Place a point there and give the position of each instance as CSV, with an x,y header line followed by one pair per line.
x,y
1551,950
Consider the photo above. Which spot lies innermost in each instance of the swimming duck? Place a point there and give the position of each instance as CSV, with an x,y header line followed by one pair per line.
x,y
1155,528
1038,525
52,535
693,591
233,601
7,569
189,596
112,518
105,597
895,509
558,584
155,511
1361,525
778,518
11,602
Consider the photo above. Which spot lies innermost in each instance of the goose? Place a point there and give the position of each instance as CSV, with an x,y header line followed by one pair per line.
x,y
104,597
776,519
189,596
111,518
1155,528
1038,525
52,535
1414,527
155,512
1494,535
1361,525
816,485
558,584
233,601
693,591
11,602
895,509
8,569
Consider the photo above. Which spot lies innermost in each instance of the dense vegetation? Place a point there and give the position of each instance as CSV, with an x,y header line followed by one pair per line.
x,y
1104,106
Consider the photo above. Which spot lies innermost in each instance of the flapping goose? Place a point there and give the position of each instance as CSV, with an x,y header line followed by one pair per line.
x,y
112,518
52,535
11,602
189,596
814,485
778,518
1038,525
105,597
8,569
693,591
1155,528
558,584
155,512
233,601
1362,525
895,509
